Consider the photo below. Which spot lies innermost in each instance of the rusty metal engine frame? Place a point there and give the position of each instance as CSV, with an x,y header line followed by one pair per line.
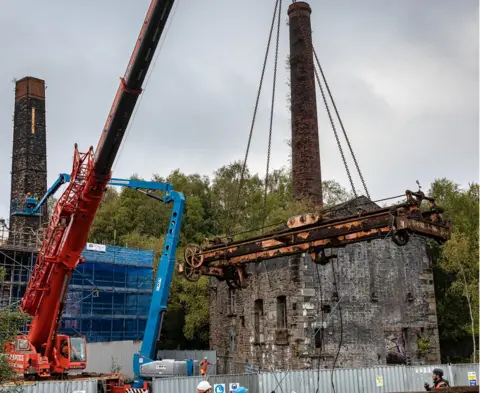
x,y
226,260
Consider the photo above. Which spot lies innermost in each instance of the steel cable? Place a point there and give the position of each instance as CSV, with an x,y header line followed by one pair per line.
x,y
341,124
242,174
271,114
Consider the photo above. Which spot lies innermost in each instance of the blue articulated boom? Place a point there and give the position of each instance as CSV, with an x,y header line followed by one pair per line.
x,y
33,205
166,266
161,290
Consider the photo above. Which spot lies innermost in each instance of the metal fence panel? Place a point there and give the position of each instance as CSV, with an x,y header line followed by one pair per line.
x,y
189,384
418,375
363,380
177,385
383,379
84,386
380,379
459,373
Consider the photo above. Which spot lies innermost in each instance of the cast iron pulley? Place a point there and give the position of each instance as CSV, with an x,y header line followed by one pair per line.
x,y
191,274
232,278
400,237
235,276
193,256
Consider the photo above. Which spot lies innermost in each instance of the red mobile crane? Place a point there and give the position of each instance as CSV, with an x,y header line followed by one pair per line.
x,y
43,352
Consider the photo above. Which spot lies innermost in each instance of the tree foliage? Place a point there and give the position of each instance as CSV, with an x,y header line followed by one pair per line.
x,y
10,323
457,270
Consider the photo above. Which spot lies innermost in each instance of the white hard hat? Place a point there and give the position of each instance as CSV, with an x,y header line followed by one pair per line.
x,y
206,358
203,386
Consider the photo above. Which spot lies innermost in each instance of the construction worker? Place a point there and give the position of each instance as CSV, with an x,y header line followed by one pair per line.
x,y
204,387
438,381
64,348
204,366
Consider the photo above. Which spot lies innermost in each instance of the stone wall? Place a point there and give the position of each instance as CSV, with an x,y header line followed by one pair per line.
x,y
384,292
29,153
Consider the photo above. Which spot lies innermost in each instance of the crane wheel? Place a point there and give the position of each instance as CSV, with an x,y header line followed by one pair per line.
x,y
193,256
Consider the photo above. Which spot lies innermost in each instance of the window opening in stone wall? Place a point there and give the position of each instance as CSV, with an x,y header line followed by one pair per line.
x,y
395,346
282,312
258,314
233,336
319,337
231,301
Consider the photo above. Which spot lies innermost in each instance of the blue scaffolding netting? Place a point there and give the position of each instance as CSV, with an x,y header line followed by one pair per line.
x,y
109,294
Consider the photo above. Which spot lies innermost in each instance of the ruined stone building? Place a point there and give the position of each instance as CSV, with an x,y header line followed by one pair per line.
x,y
372,304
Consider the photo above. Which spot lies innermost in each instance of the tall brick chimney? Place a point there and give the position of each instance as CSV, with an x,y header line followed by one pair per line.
x,y
29,156
306,173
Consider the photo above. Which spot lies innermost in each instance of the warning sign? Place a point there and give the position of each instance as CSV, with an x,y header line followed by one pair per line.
x,y
379,381
472,378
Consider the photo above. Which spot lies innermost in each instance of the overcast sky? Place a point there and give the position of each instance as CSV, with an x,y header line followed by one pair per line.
x,y
404,75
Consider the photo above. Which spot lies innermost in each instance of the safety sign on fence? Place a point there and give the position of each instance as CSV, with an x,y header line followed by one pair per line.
x,y
233,387
219,388
472,378
379,381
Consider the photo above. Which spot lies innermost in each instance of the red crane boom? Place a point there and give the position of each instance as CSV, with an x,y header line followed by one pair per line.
x,y
74,212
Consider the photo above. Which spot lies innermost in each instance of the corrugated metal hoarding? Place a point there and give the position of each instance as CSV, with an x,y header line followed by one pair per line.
x,y
463,374
189,384
363,380
84,386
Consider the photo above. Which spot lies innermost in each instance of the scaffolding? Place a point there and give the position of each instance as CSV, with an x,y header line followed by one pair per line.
x,y
109,294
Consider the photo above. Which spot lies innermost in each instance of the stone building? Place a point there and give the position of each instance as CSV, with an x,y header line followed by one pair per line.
x,y
375,301
29,154
371,304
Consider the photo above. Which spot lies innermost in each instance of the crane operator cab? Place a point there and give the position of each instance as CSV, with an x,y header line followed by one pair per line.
x,y
72,352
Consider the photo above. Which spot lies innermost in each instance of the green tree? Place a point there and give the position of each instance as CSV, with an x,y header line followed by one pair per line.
x,y
128,218
457,270
11,321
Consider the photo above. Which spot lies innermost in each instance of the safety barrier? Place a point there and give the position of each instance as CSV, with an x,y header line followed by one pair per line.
x,y
83,386
387,379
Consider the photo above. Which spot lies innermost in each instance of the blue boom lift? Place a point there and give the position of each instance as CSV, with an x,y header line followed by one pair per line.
x,y
144,365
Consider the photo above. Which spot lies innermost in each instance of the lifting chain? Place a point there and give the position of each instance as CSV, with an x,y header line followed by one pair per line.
x,y
341,124
242,175
271,116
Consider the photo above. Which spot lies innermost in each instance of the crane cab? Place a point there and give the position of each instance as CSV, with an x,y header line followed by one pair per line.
x,y
71,352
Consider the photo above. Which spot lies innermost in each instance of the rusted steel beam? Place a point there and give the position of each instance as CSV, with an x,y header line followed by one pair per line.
x,y
226,260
